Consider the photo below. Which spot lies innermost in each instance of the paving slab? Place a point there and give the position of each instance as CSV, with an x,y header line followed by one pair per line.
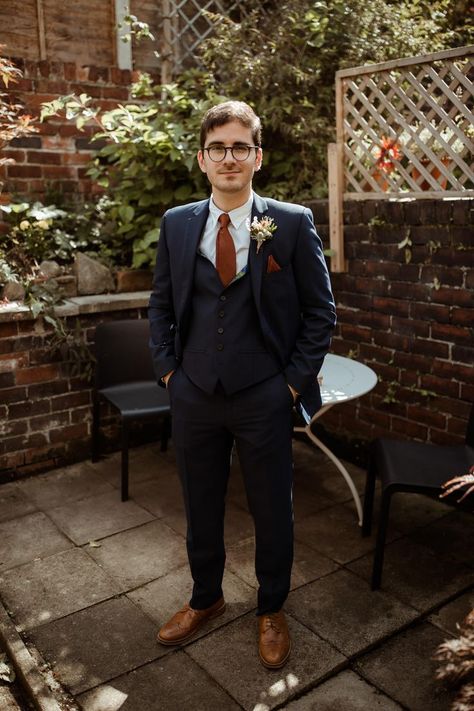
x,y
141,554
7,702
69,484
27,537
13,502
417,574
144,465
346,691
97,644
342,609
326,480
448,537
404,669
161,497
174,683
336,534
308,564
230,656
48,588
411,511
448,617
161,598
98,517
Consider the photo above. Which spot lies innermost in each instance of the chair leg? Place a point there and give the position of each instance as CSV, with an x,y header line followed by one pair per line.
x,y
381,535
95,429
369,497
125,442
165,433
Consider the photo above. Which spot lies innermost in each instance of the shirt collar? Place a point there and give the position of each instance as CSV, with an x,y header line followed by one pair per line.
x,y
237,216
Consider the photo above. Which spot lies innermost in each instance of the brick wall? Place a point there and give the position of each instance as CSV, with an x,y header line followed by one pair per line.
x,y
56,158
45,412
411,322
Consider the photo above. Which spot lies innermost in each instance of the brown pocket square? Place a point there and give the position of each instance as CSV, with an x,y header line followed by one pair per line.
x,y
272,265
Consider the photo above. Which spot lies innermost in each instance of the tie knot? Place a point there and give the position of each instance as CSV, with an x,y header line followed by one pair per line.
x,y
224,219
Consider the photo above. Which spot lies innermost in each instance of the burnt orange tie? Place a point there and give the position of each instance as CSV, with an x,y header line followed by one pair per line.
x,y
225,251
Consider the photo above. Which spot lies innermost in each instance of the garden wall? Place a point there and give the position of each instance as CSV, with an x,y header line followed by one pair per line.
x,y
56,158
411,322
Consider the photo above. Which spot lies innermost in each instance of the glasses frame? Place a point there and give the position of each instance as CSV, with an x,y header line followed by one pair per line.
x,y
231,149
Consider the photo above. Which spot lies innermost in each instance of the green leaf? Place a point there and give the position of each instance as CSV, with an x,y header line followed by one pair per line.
x,y
126,213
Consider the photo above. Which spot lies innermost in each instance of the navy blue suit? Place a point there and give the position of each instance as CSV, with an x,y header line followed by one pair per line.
x,y
275,328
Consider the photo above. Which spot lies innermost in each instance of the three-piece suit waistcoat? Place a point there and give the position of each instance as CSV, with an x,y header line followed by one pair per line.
x,y
224,343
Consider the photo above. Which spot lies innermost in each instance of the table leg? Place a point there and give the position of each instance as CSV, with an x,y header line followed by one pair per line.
x,y
339,465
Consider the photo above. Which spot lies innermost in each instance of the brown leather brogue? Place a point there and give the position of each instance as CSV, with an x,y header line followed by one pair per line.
x,y
187,621
274,642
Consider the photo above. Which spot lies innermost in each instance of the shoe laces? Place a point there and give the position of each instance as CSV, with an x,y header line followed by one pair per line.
x,y
271,622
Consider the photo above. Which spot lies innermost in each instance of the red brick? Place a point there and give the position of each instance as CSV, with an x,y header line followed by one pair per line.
x,y
17,156
410,326
452,406
375,354
445,369
8,329
81,414
426,416
457,426
467,392
414,292
441,386
428,347
12,460
24,171
454,297
463,354
44,157
462,316
372,416
430,312
59,171
410,429
67,433
49,421
38,374
391,306
393,340
28,408
70,400
445,438
453,334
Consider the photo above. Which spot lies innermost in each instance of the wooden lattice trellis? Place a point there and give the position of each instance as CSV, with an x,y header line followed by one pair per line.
x,y
185,26
404,129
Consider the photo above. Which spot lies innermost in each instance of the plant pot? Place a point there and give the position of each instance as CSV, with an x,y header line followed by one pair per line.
x,y
434,171
133,280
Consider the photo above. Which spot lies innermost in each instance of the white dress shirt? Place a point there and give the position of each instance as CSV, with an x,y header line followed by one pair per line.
x,y
238,228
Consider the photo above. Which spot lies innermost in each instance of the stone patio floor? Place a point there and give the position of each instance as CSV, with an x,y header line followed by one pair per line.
x,y
88,580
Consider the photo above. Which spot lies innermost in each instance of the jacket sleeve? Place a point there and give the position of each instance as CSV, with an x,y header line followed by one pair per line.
x,y
161,312
318,310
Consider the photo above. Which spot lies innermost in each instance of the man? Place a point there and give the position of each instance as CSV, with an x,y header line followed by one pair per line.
x,y
241,316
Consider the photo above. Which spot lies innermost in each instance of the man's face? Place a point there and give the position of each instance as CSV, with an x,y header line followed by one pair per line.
x,y
230,177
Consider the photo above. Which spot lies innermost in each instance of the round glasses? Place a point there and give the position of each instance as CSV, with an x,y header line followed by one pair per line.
x,y
239,153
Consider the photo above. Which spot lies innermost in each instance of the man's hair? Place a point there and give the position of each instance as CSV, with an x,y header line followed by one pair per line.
x,y
229,111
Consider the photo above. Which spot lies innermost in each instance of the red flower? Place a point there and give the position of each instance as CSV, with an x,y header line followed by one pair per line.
x,y
387,153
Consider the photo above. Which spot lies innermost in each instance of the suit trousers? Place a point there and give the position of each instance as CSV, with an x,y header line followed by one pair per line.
x,y
205,427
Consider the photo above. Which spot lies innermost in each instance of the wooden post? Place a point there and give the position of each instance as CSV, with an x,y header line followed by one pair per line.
x,y
336,222
123,50
41,31
166,44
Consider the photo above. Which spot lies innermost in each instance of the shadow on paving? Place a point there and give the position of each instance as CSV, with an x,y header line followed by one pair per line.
x,y
88,580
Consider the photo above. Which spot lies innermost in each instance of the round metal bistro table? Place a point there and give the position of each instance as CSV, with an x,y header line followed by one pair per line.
x,y
341,380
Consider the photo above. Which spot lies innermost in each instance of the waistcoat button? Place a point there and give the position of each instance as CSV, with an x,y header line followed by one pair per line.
x,y
220,346
220,330
222,298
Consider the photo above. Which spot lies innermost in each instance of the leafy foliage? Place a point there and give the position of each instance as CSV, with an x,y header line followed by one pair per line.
x,y
287,57
149,162
13,122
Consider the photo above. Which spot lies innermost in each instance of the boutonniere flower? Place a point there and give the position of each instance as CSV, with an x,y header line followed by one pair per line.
x,y
262,230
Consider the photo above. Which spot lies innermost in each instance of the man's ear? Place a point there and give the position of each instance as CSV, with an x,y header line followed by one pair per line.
x,y
200,159
258,159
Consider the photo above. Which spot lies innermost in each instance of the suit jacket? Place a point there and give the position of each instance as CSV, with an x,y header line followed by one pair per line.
x,y
294,304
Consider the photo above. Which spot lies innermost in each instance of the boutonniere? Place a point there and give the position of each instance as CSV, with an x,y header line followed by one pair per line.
x,y
262,230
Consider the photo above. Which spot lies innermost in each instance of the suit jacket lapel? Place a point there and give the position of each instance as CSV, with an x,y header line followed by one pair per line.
x,y
256,261
192,234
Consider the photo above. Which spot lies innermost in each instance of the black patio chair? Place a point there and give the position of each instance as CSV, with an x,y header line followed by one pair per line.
x,y
124,377
411,467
